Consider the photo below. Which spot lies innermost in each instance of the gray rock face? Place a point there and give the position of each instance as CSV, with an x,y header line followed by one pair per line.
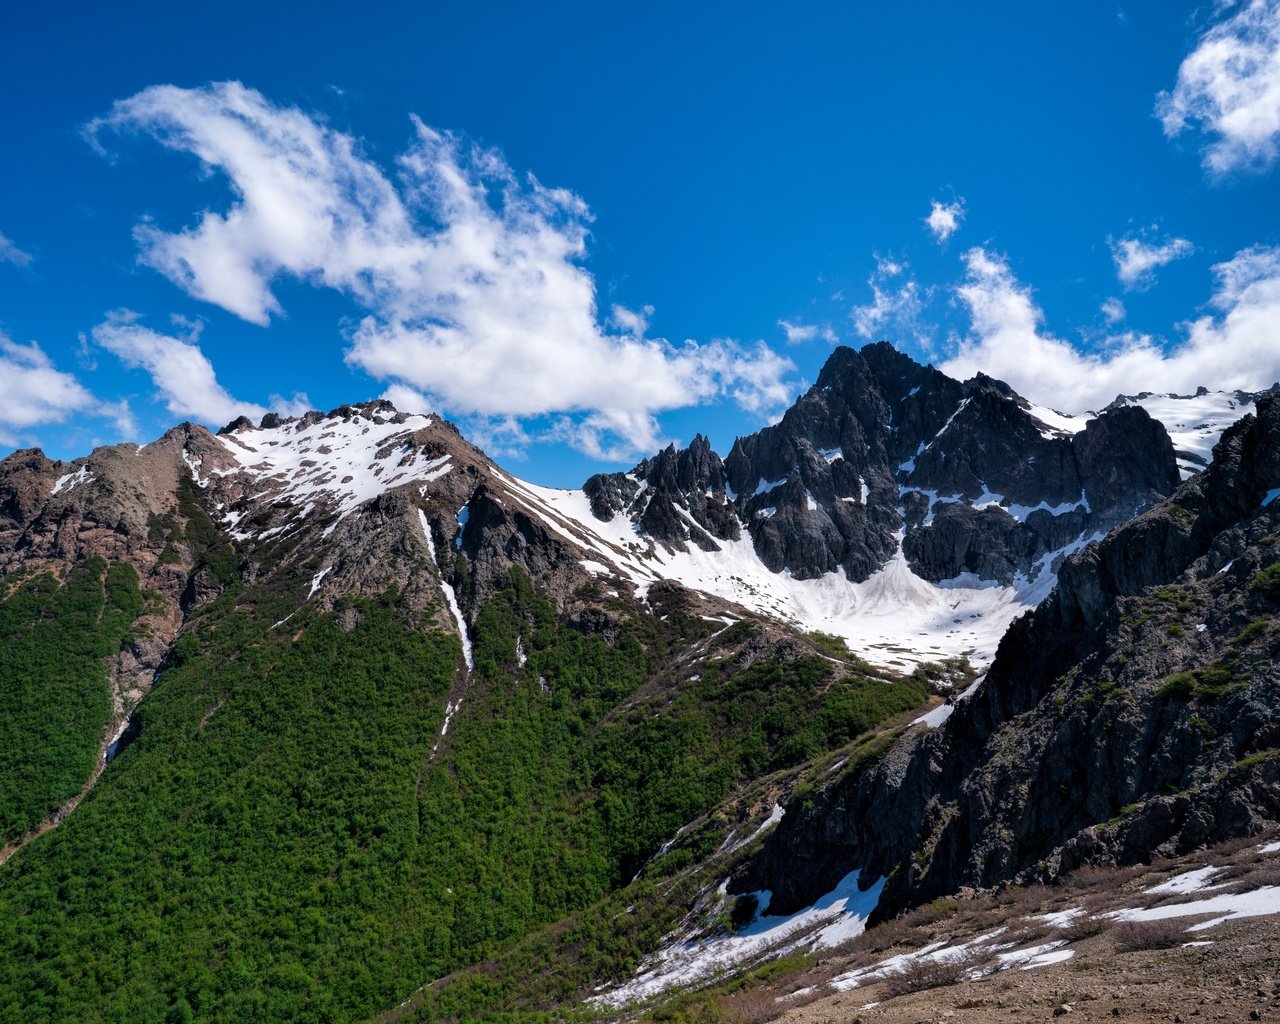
x,y
1136,712
881,446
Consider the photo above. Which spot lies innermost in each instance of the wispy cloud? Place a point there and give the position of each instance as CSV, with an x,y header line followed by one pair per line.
x,y
944,218
472,275
181,372
1233,349
1113,310
35,393
10,253
1137,261
798,333
1228,88
896,306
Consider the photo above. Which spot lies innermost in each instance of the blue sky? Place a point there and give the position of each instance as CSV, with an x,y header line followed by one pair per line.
x,y
582,232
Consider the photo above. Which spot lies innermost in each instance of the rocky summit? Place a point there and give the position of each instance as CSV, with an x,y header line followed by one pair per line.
x,y
332,717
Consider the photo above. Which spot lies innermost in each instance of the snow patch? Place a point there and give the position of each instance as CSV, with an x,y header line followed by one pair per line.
x,y
1054,423
315,580
1227,906
69,480
1188,881
839,915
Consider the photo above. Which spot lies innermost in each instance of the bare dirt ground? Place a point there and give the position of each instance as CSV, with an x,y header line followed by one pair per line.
x,y
1237,978
1069,953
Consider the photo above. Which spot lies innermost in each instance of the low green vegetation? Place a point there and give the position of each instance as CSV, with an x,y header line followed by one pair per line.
x,y
54,696
1267,581
291,838
1208,683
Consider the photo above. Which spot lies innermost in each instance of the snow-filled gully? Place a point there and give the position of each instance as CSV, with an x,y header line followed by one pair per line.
x,y
451,600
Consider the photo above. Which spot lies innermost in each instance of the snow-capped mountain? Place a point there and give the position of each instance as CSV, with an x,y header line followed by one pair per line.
x,y
911,514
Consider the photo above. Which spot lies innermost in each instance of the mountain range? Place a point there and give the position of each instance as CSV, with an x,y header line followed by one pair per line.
x,y
332,717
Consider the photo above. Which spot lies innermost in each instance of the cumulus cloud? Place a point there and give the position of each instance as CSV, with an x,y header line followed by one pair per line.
x,y
1228,88
798,333
896,306
944,219
471,275
34,393
1137,261
1234,348
10,253
182,374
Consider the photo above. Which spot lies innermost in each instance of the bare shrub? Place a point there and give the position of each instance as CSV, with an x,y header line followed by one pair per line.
x,y
758,1005
884,936
1097,902
1091,876
1083,926
922,973
1030,931
1255,878
1165,933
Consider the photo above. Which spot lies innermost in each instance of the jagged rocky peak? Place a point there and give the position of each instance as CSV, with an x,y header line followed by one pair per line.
x,y
968,477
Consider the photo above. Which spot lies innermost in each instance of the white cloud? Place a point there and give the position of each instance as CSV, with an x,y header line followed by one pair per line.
x,y
182,374
630,321
1137,261
10,253
471,275
33,391
895,307
1007,339
1229,88
408,399
1113,310
798,333
944,219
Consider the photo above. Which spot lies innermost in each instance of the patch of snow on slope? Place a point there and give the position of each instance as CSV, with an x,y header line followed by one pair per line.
x,y
348,461
1258,903
775,816
882,619
70,480
1056,423
934,719
839,915
316,579
1188,881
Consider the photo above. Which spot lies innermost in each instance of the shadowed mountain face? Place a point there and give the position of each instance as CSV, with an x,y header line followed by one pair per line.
x,y
966,476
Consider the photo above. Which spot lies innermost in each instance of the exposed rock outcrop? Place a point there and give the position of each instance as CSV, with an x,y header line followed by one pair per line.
x,y
1136,712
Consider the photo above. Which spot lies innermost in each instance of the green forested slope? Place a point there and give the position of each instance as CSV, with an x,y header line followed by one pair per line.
x,y
55,639
281,844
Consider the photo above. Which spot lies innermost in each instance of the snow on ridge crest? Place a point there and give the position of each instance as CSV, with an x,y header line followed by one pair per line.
x,y
342,460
